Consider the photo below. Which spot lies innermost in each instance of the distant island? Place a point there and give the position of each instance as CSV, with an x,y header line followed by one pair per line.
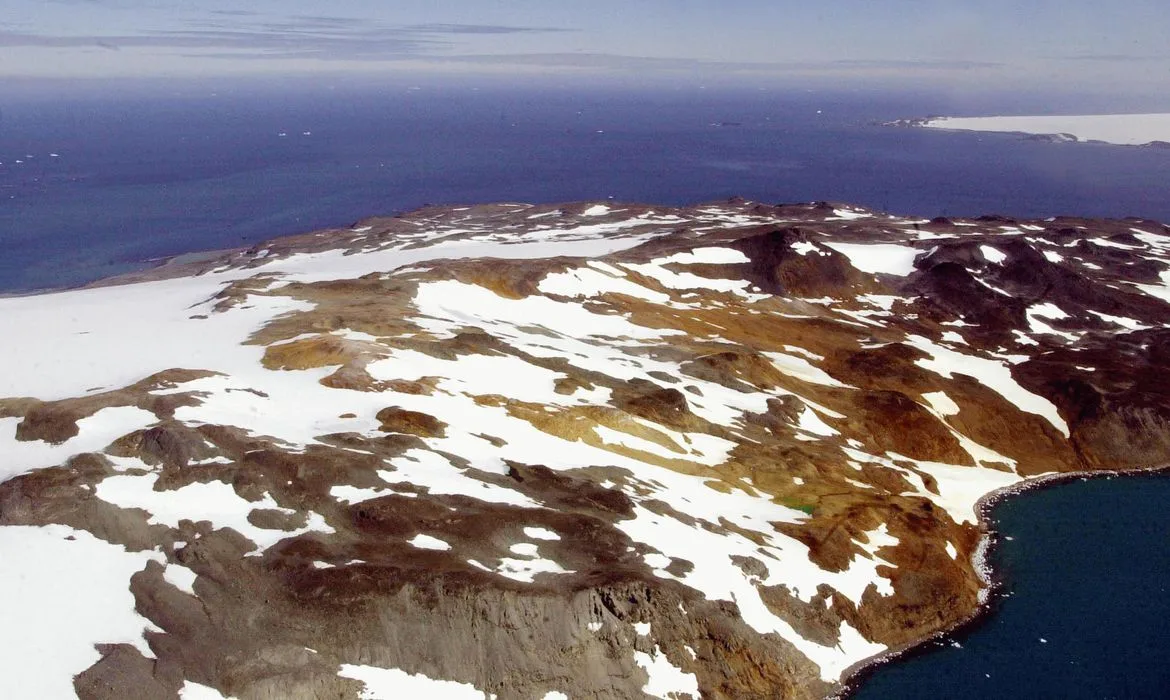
x,y
1120,129
590,450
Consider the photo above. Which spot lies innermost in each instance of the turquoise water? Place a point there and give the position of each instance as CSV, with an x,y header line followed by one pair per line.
x,y
1084,610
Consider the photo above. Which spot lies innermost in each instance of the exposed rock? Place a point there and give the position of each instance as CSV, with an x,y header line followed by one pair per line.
x,y
124,672
725,438
398,420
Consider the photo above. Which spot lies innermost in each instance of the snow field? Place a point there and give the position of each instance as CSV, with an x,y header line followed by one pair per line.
x,y
62,592
1124,129
875,258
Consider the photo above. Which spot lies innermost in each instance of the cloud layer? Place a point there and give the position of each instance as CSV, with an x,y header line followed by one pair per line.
x,y
994,44
242,34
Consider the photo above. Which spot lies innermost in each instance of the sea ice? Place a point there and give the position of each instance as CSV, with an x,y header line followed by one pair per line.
x,y
1126,129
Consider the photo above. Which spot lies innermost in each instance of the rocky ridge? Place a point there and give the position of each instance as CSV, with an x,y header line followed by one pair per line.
x,y
585,451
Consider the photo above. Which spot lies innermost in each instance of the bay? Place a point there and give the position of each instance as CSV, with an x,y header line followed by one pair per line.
x,y
1083,607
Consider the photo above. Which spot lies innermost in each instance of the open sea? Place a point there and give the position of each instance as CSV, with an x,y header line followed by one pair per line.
x,y
94,185
135,178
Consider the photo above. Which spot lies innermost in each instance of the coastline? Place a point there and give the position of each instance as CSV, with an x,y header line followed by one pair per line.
x,y
190,263
1146,131
196,262
166,267
856,675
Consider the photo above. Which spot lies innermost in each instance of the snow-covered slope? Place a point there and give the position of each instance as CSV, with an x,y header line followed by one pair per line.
x,y
580,451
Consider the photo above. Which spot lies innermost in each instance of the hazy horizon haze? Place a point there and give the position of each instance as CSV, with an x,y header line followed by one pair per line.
x,y
1074,46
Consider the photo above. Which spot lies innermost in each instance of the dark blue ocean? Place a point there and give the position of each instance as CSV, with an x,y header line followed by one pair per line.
x,y
1086,575
138,176
142,175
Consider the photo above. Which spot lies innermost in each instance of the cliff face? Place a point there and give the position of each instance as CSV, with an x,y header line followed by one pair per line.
x,y
586,451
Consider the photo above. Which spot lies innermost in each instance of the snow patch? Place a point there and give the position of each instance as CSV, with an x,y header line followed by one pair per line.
x,y
711,255
875,258
587,282
941,403
62,592
427,542
393,684
540,533
180,577
995,375
993,255
194,691
666,680
802,369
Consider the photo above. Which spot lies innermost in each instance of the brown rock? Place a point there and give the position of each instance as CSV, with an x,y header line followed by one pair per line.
x,y
400,420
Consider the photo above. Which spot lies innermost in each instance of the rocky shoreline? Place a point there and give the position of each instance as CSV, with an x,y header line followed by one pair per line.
x,y
993,583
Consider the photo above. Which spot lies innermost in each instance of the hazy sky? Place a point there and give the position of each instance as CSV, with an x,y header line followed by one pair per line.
x,y
1071,43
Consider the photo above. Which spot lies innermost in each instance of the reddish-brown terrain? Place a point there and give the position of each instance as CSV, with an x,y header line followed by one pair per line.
x,y
586,451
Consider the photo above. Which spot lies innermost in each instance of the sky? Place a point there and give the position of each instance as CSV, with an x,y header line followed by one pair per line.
x,y
1086,44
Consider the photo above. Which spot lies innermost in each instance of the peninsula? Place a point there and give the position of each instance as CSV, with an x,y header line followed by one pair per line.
x,y
593,450
1119,129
